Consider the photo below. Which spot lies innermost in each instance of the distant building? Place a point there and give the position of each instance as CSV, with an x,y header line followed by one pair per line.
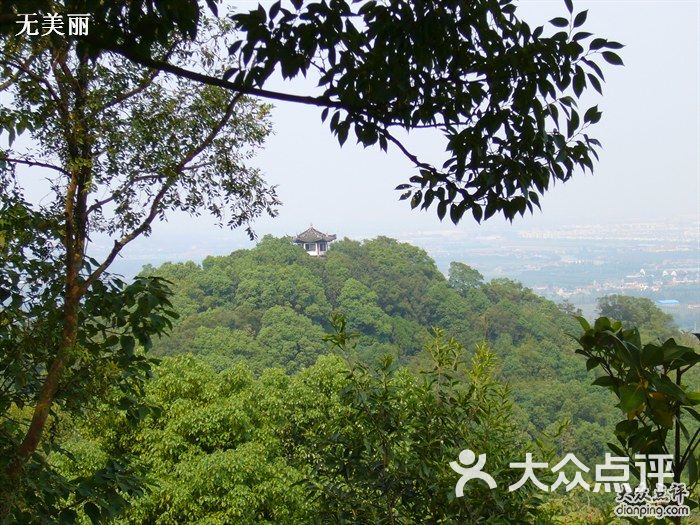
x,y
667,302
314,242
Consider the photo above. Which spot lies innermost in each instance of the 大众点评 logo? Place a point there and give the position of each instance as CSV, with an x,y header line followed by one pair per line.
x,y
466,458
613,475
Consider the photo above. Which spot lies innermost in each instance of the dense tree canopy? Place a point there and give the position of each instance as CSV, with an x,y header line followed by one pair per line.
x,y
464,278
319,430
637,312
319,446
391,295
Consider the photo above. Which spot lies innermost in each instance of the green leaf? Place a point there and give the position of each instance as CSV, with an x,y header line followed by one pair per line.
x,y
652,355
617,450
67,516
613,45
692,412
456,212
559,22
693,397
602,323
442,209
631,397
477,213
597,43
579,81
592,115
692,468
612,58
665,385
572,124
127,343
626,427
416,199
583,322
93,512
665,418
607,381
675,356
592,362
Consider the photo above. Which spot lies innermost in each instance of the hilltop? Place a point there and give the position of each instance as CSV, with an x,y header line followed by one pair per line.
x,y
270,306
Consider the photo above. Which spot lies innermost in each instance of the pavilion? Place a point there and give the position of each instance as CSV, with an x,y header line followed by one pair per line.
x,y
314,242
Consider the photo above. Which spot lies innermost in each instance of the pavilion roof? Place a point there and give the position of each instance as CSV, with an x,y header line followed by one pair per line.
x,y
313,235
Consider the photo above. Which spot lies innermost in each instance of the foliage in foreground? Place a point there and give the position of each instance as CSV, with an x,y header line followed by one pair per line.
x,y
503,93
338,442
124,146
656,400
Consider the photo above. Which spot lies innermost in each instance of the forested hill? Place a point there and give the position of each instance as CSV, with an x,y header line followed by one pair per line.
x,y
271,307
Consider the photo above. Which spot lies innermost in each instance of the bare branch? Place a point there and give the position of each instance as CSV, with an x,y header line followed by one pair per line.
x,y
29,162
413,158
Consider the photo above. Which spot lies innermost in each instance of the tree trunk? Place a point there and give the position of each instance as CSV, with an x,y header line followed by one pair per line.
x,y
11,486
76,200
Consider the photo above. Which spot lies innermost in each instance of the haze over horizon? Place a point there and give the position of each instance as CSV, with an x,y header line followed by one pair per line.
x,y
649,169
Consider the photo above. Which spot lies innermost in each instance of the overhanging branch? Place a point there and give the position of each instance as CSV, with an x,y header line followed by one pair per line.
x,y
162,65
32,163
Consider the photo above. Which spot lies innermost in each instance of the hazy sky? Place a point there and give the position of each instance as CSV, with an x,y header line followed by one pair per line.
x,y
649,168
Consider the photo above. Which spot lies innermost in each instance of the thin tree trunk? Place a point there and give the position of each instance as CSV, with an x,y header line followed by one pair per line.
x,y
73,293
75,216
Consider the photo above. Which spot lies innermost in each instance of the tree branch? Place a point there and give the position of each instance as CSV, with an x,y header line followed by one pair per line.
x,y
40,80
152,63
13,78
321,102
63,98
99,203
145,82
413,158
155,205
36,163
688,450
212,134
